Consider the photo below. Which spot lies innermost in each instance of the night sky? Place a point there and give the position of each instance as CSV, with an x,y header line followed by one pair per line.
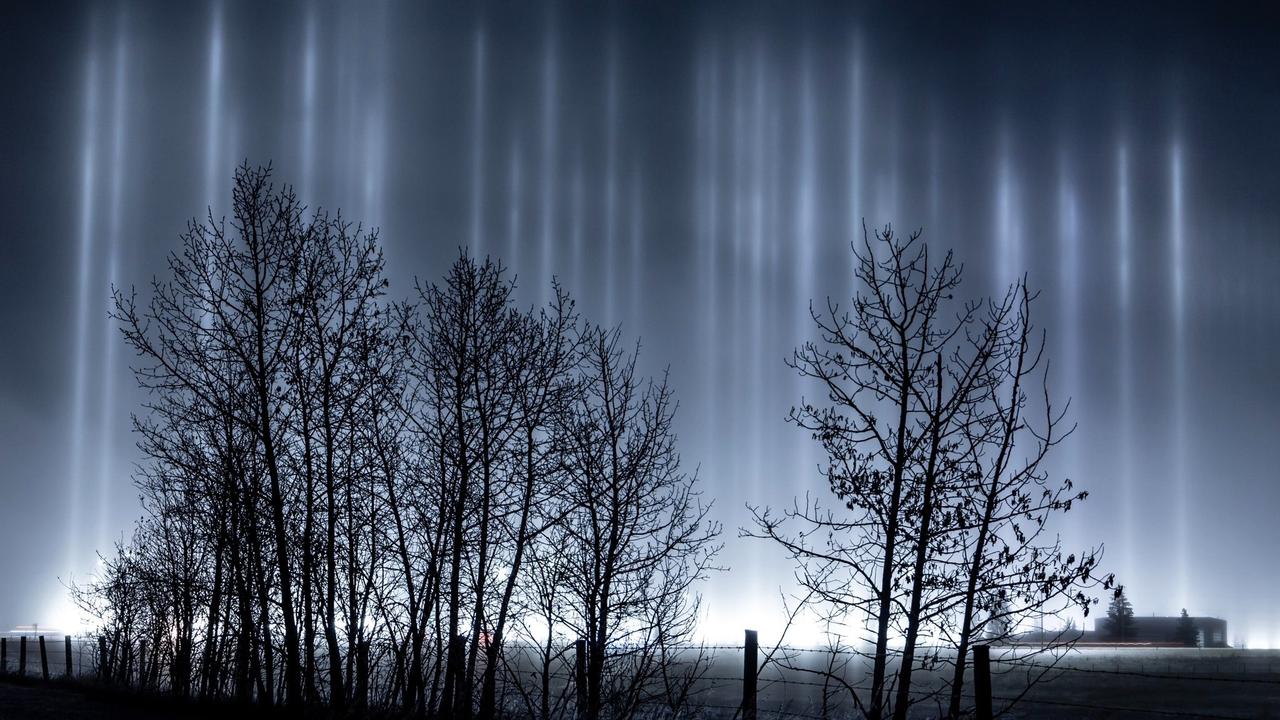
x,y
694,172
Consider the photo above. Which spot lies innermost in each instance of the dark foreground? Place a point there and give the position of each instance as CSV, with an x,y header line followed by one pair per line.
x,y
32,699
1094,683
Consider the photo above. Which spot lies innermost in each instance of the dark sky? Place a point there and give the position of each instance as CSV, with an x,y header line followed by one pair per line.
x,y
694,172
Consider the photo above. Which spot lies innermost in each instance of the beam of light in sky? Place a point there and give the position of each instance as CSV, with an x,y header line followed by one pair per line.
x,y
636,254
806,189
1069,280
737,187
886,188
855,138
703,210
213,154
515,194
84,307
214,147
550,140
374,125
807,457
610,181
935,170
310,61
577,223
761,173
708,216
1177,222
110,414
1008,221
1124,349
477,143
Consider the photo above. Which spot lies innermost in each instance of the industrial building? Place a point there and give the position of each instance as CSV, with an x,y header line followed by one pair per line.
x,y
1211,632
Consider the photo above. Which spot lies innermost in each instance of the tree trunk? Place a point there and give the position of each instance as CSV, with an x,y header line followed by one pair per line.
x,y
876,709
922,553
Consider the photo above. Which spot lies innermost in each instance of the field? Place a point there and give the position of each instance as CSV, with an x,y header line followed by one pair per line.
x,y
1089,683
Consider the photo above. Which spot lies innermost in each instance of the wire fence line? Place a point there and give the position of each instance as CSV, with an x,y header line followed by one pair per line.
x,y
50,659
1217,677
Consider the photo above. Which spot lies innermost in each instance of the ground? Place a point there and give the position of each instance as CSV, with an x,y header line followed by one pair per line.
x,y
31,700
1094,684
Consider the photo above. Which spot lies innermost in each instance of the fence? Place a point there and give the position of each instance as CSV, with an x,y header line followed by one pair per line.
x,y
67,657
78,657
738,697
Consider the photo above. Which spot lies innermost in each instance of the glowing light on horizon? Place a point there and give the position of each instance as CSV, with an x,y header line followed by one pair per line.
x,y
64,618
765,617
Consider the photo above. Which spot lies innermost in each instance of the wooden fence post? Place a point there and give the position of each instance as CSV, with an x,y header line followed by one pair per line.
x,y
66,641
22,655
44,660
142,664
4,655
580,675
362,673
750,671
982,681
102,658
458,648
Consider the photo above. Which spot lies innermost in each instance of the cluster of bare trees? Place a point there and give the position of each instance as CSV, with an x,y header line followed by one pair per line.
x,y
460,508
935,418
420,504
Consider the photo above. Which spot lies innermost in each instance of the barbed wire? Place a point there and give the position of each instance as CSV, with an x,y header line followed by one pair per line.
x,y
1141,674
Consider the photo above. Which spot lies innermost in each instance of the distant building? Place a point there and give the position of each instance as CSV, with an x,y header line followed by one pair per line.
x,y
1152,630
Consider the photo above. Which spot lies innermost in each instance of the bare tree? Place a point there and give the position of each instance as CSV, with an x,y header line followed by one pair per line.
x,y
642,537
349,500
1015,571
913,381
880,357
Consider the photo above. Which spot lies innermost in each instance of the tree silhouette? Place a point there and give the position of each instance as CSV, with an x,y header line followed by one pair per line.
x,y
1120,620
1185,632
348,499
642,536
940,526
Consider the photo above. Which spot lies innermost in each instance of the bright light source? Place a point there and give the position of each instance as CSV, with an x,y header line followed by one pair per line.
x,y
63,617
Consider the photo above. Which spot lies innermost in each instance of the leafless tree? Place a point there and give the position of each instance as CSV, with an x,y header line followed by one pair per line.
x,y
641,538
1015,571
913,381
350,500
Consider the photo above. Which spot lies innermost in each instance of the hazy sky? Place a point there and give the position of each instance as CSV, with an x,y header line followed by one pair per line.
x,y
693,172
